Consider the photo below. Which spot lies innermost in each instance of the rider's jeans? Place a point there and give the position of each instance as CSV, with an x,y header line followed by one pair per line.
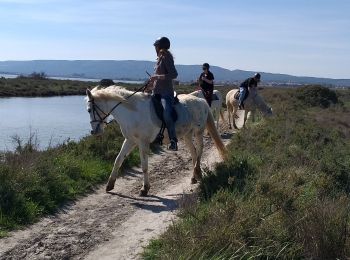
x,y
242,93
167,103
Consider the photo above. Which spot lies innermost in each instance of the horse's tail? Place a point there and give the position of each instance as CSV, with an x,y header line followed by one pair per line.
x,y
215,136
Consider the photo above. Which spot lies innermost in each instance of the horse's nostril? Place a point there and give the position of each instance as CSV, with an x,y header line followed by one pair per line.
x,y
92,132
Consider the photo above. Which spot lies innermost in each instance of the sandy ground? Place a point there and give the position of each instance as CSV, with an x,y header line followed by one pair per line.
x,y
115,225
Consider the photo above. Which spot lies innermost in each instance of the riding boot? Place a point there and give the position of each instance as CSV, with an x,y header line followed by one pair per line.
x,y
173,145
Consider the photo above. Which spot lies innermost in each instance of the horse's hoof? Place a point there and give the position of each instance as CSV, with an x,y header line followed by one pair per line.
x,y
229,127
193,180
144,191
109,187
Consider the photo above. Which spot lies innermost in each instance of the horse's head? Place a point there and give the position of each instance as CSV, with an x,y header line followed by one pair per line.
x,y
97,115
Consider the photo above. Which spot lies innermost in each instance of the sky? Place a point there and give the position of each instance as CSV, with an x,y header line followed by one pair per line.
x,y
297,37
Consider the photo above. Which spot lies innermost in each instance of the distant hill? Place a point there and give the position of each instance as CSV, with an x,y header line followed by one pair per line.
x,y
135,70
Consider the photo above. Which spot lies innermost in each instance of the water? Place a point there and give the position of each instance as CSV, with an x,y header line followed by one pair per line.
x,y
52,119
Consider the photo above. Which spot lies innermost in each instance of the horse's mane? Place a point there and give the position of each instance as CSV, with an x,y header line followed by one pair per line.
x,y
116,93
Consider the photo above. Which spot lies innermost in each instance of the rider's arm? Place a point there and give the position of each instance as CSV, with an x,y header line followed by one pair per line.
x,y
209,79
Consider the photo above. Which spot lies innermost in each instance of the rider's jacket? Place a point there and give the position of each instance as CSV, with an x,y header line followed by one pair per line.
x,y
165,66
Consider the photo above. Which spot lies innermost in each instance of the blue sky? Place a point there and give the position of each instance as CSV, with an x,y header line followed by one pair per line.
x,y
298,37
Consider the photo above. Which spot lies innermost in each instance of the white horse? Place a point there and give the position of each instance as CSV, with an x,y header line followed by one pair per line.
x,y
253,101
216,105
139,125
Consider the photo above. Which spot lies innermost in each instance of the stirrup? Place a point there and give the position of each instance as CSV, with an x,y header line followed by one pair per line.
x,y
159,139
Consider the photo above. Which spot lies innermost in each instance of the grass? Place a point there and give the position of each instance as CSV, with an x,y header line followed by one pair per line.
x,y
33,87
44,87
283,193
36,183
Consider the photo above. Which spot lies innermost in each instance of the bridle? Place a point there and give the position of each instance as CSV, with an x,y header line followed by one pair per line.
x,y
96,110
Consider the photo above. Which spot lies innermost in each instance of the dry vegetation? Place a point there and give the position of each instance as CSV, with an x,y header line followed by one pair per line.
x,y
283,193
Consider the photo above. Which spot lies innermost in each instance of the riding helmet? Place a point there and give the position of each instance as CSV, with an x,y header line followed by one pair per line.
x,y
162,43
257,76
206,65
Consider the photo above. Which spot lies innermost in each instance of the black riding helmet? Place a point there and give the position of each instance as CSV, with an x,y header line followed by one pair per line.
x,y
162,43
206,65
257,76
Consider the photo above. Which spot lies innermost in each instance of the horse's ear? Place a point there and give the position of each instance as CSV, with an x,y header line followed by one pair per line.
x,y
88,93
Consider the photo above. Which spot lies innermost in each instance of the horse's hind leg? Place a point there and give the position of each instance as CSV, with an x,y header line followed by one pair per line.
x,y
190,145
197,172
125,150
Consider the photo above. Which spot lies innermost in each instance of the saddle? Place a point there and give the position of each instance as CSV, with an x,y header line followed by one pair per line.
x,y
158,107
238,93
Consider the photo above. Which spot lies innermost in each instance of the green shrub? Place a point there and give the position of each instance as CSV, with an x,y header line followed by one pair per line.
x,y
319,96
231,176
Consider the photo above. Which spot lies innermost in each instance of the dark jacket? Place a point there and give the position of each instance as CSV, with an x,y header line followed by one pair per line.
x,y
250,82
165,65
205,85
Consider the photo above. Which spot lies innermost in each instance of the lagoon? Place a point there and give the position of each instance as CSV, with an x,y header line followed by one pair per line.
x,y
52,119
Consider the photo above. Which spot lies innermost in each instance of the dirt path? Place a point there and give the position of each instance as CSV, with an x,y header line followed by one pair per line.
x,y
113,225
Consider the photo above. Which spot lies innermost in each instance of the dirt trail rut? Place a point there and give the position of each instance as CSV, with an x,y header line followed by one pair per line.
x,y
113,225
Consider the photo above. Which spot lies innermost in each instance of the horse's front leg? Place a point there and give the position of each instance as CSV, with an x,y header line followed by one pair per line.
x,y
234,117
245,118
144,149
253,115
217,117
127,147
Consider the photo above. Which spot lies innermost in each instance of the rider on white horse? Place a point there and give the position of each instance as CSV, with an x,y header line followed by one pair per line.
x,y
206,83
162,84
245,86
